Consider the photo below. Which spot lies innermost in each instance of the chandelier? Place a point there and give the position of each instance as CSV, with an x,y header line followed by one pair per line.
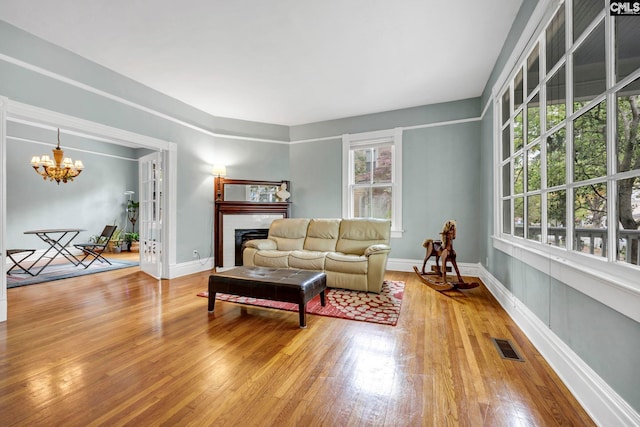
x,y
60,168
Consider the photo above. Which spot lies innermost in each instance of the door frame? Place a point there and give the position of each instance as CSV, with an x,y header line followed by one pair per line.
x,y
40,117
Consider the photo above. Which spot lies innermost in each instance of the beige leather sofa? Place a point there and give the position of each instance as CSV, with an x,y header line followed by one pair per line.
x,y
352,252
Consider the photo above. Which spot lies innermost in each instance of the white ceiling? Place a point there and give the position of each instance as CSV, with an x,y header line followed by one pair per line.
x,y
286,62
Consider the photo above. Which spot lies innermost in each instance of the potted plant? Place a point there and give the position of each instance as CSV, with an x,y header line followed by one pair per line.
x,y
131,240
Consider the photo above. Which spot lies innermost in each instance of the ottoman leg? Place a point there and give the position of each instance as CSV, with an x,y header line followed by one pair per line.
x,y
322,300
302,311
212,301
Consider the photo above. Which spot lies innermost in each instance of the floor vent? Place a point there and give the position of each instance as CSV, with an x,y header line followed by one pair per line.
x,y
506,349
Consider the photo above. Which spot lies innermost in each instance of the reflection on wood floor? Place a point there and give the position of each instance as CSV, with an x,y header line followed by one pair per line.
x,y
121,348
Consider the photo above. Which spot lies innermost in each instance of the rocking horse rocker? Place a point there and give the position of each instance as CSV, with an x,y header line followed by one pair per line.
x,y
443,252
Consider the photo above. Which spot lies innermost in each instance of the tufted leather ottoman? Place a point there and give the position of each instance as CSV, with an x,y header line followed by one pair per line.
x,y
277,284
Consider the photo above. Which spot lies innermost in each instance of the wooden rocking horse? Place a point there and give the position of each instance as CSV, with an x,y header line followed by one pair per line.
x,y
443,252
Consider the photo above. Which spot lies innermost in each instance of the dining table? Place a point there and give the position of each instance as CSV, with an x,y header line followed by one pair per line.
x,y
58,240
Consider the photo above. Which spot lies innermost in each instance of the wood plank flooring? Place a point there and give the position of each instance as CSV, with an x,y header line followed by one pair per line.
x,y
120,348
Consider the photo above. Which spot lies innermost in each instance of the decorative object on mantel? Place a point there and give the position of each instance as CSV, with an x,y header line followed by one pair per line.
x,y
219,171
443,252
60,168
282,194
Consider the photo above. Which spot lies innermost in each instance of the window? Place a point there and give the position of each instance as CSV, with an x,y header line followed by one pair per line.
x,y
372,166
568,152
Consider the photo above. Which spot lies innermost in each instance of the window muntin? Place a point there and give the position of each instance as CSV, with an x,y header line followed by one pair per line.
x,y
571,178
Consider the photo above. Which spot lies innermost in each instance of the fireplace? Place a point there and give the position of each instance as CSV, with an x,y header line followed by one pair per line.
x,y
244,234
231,215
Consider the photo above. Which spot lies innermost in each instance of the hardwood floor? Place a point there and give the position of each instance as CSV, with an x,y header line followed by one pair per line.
x,y
120,348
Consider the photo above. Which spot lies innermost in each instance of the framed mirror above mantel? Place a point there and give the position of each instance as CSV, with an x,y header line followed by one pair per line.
x,y
247,204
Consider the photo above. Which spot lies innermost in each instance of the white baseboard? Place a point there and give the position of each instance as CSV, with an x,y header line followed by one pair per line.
x,y
600,401
190,267
399,264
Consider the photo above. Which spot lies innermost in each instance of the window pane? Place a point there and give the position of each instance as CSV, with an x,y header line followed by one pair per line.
x,y
533,168
518,216
506,180
555,39
506,108
556,94
372,165
556,218
381,202
506,143
584,12
506,216
517,132
362,166
361,203
533,118
556,159
628,140
590,144
534,214
518,174
533,70
382,167
629,216
517,90
590,219
627,46
589,79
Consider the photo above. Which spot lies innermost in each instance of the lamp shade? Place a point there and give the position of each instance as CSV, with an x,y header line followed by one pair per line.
x,y
219,170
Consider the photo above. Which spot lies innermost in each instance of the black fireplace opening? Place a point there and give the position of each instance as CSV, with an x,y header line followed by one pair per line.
x,y
243,235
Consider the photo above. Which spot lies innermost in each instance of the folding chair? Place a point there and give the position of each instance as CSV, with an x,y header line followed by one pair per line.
x,y
95,249
16,263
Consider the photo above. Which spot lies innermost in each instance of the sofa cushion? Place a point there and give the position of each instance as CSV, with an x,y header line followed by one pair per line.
x,y
289,233
322,235
274,259
351,264
307,260
356,235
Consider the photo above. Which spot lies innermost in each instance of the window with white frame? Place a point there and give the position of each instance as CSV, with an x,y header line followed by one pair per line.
x,y
568,146
372,171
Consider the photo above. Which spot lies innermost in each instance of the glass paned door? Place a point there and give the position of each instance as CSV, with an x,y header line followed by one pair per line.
x,y
151,193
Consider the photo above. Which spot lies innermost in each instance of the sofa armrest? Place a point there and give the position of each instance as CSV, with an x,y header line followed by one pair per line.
x,y
261,244
377,249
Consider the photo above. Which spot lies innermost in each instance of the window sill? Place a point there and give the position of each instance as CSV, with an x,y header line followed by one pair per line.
x,y
396,234
614,285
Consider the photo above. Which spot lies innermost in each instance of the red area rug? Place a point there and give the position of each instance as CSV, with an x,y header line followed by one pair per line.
x,y
381,308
